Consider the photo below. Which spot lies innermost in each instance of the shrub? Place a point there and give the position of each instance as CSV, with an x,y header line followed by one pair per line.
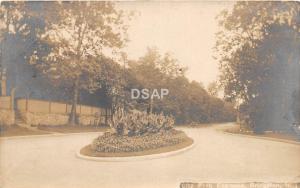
x,y
112,143
139,123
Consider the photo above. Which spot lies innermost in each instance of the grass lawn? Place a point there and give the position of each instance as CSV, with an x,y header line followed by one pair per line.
x,y
19,131
72,129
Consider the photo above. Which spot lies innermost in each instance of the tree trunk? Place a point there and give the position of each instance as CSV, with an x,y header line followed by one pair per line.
x,y
73,120
150,108
106,118
113,109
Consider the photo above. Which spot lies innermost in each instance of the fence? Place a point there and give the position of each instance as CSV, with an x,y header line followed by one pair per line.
x,y
7,115
6,103
39,112
49,107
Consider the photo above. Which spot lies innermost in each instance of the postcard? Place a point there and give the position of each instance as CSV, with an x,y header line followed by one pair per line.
x,y
149,94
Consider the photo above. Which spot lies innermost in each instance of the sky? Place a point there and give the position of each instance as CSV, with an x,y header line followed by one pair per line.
x,y
185,29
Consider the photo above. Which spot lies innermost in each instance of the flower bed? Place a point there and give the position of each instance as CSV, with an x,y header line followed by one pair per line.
x,y
136,123
138,133
110,145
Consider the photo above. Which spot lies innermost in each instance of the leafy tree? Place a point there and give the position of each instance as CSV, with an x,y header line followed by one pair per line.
x,y
187,101
113,83
19,24
152,71
258,50
12,18
213,89
78,37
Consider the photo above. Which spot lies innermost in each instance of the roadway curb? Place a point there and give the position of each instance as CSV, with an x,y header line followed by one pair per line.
x,y
262,137
134,158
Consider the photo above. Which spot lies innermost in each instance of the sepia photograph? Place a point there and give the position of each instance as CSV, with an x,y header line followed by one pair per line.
x,y
149,94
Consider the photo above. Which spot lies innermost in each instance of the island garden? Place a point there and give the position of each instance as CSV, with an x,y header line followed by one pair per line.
x,y
138,133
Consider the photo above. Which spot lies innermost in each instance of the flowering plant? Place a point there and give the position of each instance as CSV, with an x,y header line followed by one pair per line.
x,y
135,123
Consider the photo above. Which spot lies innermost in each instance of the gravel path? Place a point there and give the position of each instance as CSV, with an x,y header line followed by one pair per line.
x,y
50,162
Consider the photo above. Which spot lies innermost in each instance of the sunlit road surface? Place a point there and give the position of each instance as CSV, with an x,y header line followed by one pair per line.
x,y
50,162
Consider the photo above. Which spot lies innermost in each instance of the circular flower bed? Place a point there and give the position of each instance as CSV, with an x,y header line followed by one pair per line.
x,y
111,145
138,133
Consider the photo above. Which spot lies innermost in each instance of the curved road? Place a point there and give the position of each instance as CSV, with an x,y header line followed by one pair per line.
x,y
50,162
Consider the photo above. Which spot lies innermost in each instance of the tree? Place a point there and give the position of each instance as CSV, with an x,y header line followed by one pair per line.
x,y
187,101
78,37
153,70
258,50
113,83
19,24
146,73
213,89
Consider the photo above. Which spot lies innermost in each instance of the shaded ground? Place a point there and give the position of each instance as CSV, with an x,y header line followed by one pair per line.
x,y
19,131
72,129
41,130
50,162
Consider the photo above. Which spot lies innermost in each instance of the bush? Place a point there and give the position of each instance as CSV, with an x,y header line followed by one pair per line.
x,y
112,143
137,131
139,123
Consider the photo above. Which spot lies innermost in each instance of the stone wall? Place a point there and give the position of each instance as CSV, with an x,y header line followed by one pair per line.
x,y
32,112
35,119
87,120
91,120
7,117
5,102
40,106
